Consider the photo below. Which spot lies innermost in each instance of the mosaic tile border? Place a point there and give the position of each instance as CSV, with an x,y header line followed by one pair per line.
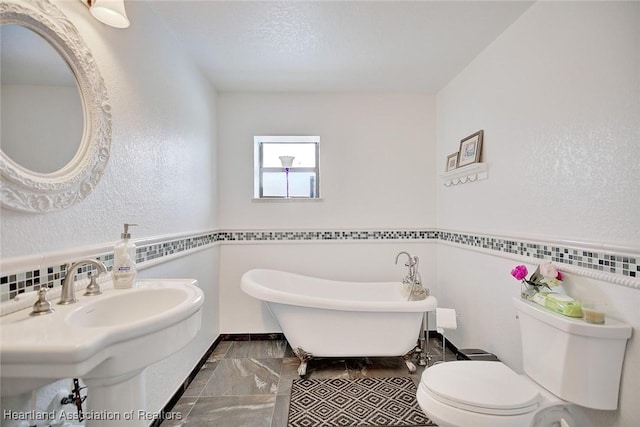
x,y
616,264
46,277
624,267
232,236
50,276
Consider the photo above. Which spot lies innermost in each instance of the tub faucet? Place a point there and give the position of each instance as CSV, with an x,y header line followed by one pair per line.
x,y
68,294
416,291
412,264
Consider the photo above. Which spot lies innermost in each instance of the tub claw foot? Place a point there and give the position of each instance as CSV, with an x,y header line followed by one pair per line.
x,y
409,362
302,370
424,358
304,359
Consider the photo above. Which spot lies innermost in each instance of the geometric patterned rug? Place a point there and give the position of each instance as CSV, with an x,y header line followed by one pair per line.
x,y
336,402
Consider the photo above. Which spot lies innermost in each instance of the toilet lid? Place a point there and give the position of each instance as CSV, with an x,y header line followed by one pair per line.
x,y
481,386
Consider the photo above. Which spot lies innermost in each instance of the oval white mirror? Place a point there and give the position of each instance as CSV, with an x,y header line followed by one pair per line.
x,y
49,159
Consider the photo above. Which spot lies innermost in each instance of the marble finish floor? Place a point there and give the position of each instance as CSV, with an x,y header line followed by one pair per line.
x,y
247,383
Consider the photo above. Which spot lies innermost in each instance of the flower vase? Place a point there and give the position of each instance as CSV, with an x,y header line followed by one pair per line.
x,y
528,291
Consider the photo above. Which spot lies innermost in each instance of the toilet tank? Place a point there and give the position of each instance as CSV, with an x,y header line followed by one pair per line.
x,y
577,361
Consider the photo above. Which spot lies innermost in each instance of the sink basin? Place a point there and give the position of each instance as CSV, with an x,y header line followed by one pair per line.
x,y
106,340
144,305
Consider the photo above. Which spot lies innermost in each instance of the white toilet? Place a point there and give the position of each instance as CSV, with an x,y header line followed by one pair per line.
x,y
566,361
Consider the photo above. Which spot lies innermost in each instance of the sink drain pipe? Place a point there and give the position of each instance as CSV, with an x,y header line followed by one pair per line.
x,y
75,398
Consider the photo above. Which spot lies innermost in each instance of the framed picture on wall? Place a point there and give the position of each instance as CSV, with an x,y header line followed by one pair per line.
x,y
470,149
452,162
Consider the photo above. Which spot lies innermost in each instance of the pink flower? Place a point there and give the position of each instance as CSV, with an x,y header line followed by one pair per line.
x,y
519,272
559,276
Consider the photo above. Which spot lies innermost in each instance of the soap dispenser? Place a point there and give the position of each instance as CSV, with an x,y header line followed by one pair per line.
x,y
124,261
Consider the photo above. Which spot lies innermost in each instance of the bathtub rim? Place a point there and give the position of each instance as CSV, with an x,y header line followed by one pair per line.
x,y
252,287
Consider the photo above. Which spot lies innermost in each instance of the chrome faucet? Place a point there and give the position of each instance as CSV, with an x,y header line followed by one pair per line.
x,y
411,263
417,291
68,294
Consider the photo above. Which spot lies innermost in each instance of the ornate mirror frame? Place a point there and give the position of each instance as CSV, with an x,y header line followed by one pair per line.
x,y
27,191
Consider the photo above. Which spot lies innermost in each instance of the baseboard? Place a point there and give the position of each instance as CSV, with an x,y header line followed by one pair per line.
x,y
253,337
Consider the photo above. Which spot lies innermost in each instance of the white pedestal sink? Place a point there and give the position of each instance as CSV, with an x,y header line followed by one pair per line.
x,y
107,340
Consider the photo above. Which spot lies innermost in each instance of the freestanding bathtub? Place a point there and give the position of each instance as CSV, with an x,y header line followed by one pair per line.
x,y
326,318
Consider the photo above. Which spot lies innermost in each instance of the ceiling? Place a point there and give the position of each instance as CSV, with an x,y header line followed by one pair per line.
x,y
334,46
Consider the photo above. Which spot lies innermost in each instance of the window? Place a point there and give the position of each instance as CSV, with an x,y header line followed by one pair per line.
x,y
286,167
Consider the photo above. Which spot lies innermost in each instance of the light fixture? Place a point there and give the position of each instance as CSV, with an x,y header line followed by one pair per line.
x,y
110,12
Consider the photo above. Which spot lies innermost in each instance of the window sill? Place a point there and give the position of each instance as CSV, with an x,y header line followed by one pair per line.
x,y
283,200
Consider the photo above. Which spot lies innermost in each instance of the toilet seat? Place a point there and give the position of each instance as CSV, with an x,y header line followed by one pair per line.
x,y
483,387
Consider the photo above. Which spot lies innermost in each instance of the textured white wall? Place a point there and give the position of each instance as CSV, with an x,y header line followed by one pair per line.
x,y
376,159
161,174
558,95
